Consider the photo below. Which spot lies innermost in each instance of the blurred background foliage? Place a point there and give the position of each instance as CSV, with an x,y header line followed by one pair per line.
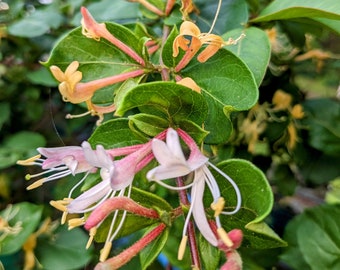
x,y
292,134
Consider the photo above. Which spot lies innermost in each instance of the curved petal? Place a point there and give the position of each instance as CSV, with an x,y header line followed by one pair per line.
x,y
168,172
198,210
89,197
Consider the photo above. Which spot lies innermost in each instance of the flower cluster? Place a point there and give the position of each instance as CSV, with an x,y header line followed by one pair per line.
x,y
179,159
112,193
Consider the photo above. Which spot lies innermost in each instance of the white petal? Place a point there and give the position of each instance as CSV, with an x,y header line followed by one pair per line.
x,y
168,172
173,143
89,197
161,151
198,210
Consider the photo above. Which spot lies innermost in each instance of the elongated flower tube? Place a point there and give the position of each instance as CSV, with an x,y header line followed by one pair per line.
x,y
149,6
174,164
92,29
196,41
74,91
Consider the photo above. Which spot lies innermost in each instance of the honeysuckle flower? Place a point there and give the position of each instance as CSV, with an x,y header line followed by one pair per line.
x,y
172,164
92,29
74,91
116,178
197,40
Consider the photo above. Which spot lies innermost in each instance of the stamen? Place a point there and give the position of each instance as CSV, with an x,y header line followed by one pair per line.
x,y
104,253
36,184
173,188
75,222
224,236
60,171
120,225
92,234
234,41
237,190
29,161
182,247
63,218
60,205
218,206
71,116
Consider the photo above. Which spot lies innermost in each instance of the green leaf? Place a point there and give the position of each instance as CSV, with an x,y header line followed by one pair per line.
x,y
281,10
149,125
167,50
333,193
20,145
317,242
168,100
228,85
4,113
321,114
210,255
65,244
107,10
113,134
333,25
22,219
233,14
36,24
257,202
248,50
151,251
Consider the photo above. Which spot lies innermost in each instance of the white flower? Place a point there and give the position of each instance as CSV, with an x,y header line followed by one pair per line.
x,y
174,164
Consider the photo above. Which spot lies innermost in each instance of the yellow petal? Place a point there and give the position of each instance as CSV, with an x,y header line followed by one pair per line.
x,y
297,111
189,29
190,83
281,100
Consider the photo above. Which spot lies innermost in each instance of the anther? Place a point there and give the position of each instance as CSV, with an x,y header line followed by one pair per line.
x,y
182,247
29,161
224,236
36,184
104,253
92,233
218,206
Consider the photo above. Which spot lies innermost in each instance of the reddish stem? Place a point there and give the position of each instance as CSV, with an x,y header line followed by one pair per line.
x,y
191,229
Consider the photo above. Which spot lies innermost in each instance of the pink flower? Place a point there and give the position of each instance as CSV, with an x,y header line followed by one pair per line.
x,y
174,164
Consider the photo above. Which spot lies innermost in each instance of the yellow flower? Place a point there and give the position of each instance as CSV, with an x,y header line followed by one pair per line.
x,y
68,83
281,100
74,91
197,39
187,28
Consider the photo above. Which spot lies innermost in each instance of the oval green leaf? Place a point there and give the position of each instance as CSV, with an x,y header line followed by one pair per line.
x,y
168,100
253,49
281,10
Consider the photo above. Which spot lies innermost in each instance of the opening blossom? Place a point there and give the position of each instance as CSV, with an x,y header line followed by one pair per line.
x,y
74,91
190,40
116,179
172,164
